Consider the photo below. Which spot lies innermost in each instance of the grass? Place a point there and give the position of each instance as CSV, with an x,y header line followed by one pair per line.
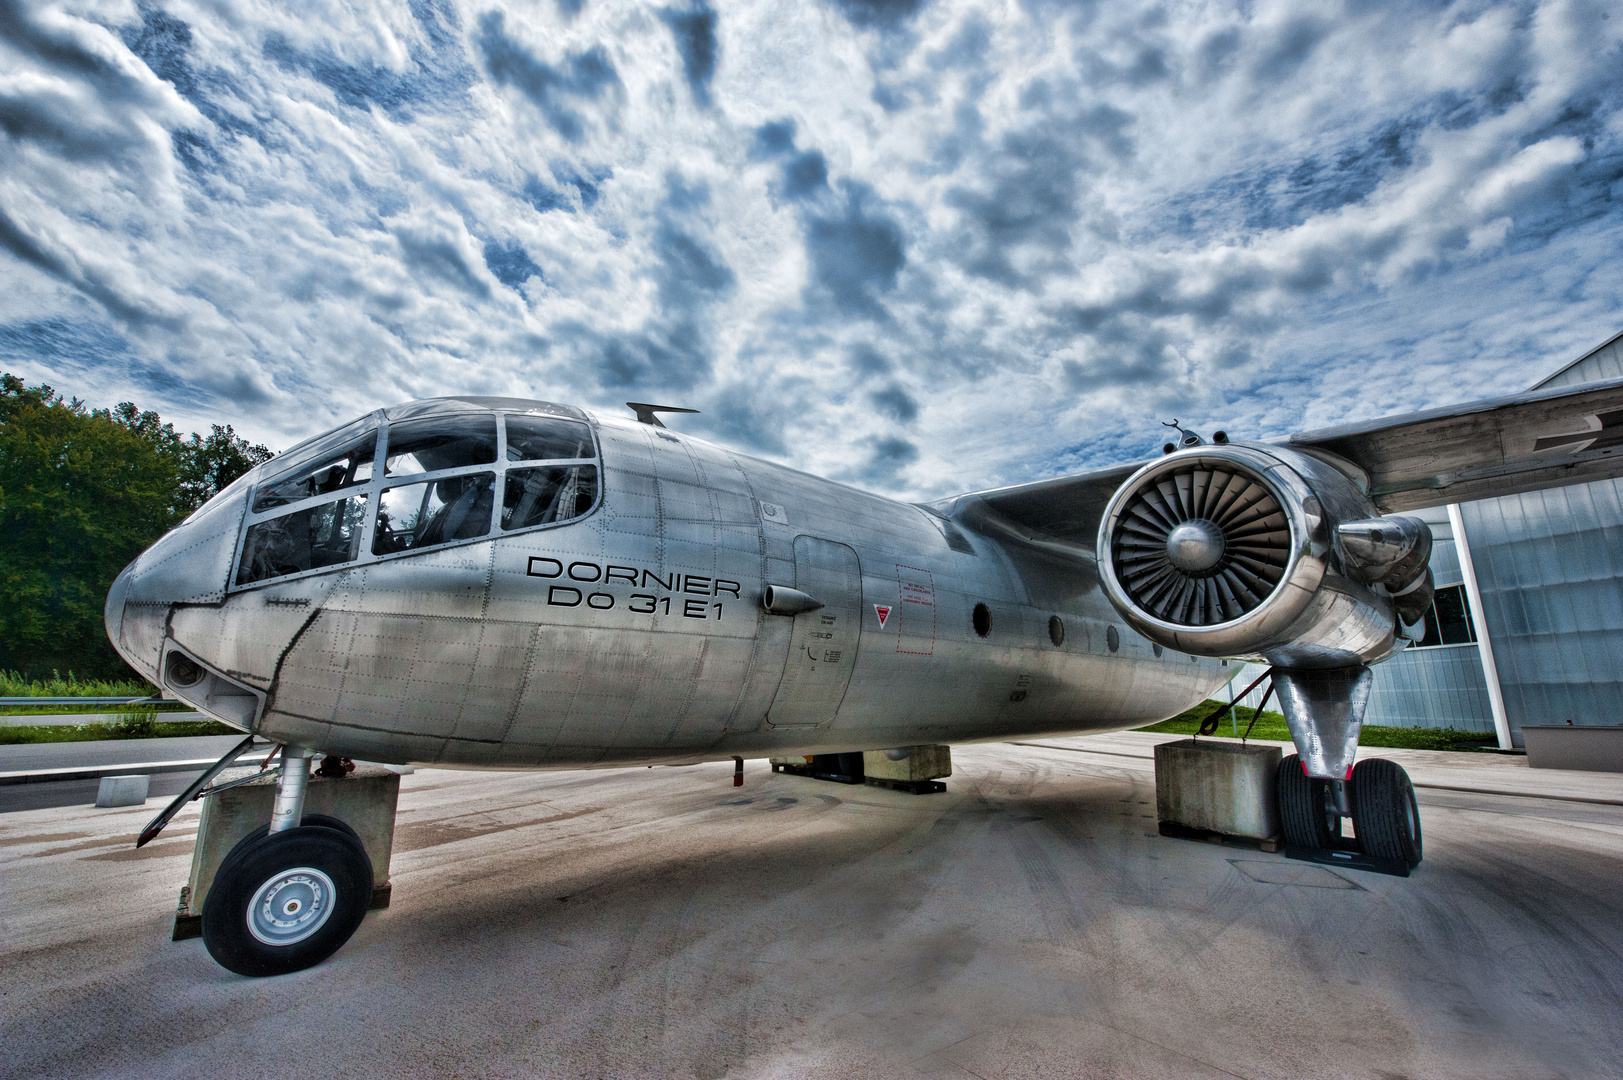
x,y
12,684
136,726
71,710
1271,725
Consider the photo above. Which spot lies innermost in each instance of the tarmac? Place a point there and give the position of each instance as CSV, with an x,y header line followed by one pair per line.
x,y
1029,922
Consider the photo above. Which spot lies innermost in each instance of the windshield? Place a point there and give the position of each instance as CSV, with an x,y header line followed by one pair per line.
x,y
445,479
546,438
345,468
441,442
306,469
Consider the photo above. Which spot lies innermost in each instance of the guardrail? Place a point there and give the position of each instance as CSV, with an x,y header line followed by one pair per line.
x,y
5,701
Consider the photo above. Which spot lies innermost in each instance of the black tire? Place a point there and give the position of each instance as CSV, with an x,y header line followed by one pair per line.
x,y
1307,812
320,877
1385,814
307,821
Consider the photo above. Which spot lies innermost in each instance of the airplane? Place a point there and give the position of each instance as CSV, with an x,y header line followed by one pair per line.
x,y
503,583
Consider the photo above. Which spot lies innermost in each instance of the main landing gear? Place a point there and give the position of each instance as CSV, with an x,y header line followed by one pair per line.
x,y
290,893
1325,709
1378,798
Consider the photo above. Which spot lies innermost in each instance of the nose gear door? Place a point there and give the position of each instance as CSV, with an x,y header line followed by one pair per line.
x,y
823,648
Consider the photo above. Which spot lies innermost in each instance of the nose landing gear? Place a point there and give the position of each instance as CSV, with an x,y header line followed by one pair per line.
x,y
289,896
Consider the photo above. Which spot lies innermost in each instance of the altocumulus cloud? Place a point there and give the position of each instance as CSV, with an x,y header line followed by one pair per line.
x,y
923,246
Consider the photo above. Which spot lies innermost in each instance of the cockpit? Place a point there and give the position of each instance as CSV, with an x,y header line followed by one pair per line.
x,y
419,476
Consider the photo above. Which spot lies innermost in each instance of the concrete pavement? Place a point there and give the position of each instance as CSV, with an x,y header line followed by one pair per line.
x,y
1027,923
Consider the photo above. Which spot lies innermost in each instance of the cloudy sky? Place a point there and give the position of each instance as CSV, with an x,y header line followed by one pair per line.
x,y
919,246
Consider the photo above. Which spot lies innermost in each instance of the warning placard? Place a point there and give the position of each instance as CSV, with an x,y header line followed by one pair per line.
x,y
915,615
883,611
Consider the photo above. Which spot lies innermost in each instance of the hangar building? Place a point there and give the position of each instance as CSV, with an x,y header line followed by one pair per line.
x,y
1527,626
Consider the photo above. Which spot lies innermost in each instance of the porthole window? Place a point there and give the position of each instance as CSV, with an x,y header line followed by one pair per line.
x,y
1112,638
981,619
1056,630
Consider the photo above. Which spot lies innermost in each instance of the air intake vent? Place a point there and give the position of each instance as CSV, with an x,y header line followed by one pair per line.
x,y
1198,546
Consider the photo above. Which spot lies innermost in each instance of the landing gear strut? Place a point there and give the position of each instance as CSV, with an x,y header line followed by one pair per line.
x,y
287,897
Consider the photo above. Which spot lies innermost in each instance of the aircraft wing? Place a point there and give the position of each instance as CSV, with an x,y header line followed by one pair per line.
x,y
1066,508
1501,446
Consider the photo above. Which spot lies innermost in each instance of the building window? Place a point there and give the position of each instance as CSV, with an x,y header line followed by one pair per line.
x,y
1448,620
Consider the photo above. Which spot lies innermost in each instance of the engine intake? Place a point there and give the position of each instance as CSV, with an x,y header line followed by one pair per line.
x,y
1201,544
1227,551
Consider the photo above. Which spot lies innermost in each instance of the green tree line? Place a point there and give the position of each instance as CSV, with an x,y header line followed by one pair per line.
x,y
83,491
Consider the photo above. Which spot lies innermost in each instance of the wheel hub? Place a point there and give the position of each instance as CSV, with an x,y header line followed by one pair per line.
x,y
291,906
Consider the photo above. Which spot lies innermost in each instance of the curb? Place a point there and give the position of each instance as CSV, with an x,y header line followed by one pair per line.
x,y
96,772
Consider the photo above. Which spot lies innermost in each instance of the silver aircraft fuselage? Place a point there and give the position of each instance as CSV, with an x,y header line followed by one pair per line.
x,y
631,632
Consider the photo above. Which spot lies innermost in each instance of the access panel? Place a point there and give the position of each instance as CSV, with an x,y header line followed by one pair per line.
x,y
823,649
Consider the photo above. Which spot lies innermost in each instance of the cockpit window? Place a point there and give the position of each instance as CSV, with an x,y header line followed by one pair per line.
x,y
314,510
436,512
548,495
543,438
323,535
334,472
449,442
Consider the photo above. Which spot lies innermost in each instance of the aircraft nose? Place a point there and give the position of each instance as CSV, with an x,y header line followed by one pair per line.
x,y
191,564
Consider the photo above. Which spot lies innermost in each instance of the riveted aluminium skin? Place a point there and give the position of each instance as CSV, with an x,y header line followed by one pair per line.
x,y
635,633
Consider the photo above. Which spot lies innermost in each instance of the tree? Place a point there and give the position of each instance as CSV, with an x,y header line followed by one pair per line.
x,y
208,466
82,493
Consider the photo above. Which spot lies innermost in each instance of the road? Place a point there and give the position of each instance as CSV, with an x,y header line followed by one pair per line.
x,y
35,756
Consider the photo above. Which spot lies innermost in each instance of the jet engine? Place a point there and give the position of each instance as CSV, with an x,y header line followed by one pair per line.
x,y
1261,553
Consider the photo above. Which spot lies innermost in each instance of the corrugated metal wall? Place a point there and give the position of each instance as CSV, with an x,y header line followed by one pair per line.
x,y
1436,687
1550,568
1440,687
1605,362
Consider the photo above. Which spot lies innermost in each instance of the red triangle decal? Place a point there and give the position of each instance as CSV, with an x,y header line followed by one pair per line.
x,y
883,612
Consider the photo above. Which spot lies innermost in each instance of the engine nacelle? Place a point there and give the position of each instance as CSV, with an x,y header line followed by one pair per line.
x,y
1234,551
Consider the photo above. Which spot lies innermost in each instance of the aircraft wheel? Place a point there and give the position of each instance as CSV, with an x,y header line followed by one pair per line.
x,y
1307,810
307,821
1385,813
286,900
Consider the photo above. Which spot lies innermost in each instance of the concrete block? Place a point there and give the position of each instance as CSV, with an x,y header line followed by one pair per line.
x,y
1221,787
364,800
1563,746
123,790
908,764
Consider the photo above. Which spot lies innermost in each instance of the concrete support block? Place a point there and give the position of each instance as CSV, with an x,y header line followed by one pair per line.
x,y
908,764
1564,746
364,800
1203,785
123,790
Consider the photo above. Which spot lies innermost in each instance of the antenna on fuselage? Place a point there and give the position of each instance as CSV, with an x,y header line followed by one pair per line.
x,y
645,412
